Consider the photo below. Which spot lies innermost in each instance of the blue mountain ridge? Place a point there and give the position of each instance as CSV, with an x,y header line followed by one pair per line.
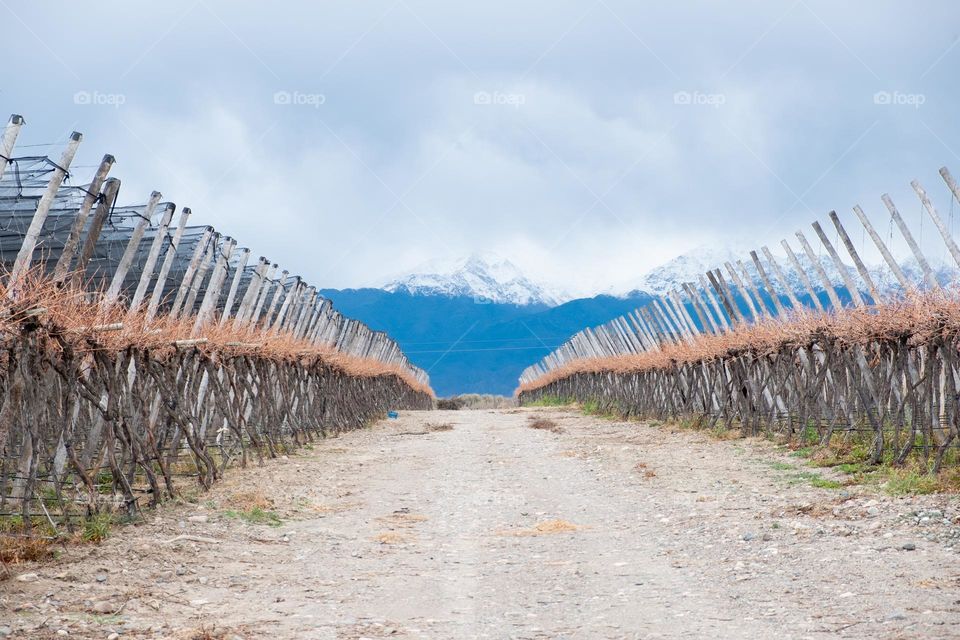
x,y
468,347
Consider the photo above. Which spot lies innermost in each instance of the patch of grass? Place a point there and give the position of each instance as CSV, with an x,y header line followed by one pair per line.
x,y
256,515
901,482
551,401
97,528
782,466
824,483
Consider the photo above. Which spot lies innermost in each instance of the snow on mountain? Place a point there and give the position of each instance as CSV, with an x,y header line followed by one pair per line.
x,y
486,277
689,266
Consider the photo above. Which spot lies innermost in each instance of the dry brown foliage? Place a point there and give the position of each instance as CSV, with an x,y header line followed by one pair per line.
x,y
72,316
544,424
543,528
18,549
249,500
916,319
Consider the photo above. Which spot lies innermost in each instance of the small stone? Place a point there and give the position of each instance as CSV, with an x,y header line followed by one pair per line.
x,y
181,570
873,512
101,577
62,632
5,631
766,537
203,579
748,536
896,615
104,606
200,519
909,546
27,577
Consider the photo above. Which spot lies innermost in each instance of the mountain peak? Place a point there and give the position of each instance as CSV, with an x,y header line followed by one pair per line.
x,y
486,276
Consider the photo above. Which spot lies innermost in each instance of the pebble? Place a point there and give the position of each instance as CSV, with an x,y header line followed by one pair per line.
x,y
104,606
113,636
101,577
27,577
181,570
5,631
62,632
909,546
748,536
200,519
896,615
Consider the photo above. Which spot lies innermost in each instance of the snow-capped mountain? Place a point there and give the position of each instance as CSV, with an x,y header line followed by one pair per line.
x,y
689,266
486,277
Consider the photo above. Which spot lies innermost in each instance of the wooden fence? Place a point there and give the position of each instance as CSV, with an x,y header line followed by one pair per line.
x,y
137,355
743,350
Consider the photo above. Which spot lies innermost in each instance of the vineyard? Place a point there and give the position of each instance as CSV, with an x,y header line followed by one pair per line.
x,y
141,358
745,351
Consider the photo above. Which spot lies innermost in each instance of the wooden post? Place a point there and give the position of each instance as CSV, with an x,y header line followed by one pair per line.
x,y
234,285
708,293
62,269
109,197
130,252
884,251
681,311
754,289
802,275
721,295
861,267
209,259
25,255
152,256
727,294
928,275
250,295
743,290
9,140
212,295
674,323
281,290
265,291
794,302
157,296
944,232
767,283
824,278
184,288
842,268
701,312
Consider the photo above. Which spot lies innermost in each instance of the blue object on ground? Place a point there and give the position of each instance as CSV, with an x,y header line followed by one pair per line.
x,y
393,415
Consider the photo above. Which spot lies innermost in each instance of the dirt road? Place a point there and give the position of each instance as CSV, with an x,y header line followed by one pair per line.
x,y
494,529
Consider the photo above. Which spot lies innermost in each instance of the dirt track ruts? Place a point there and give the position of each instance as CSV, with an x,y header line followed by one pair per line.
x,y
596,529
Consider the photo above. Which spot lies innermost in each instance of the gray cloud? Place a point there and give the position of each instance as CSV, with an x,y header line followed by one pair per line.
x,y
585,141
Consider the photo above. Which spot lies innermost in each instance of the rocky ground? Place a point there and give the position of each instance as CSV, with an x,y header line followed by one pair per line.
x,y
488,528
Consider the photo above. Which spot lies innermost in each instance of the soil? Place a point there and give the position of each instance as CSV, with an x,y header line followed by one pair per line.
x,y
583,528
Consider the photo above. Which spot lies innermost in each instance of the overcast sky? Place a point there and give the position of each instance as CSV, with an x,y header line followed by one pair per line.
x,y
585,141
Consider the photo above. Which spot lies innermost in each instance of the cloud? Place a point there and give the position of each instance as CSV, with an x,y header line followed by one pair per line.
x,y
588,143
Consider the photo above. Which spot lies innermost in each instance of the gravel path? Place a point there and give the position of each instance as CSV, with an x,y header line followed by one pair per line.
x,y
493,529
